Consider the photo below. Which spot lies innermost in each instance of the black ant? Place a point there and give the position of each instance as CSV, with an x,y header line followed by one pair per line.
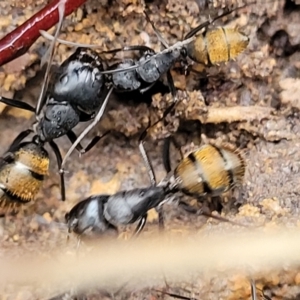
x,y
75,96
142,73
193,175
24,165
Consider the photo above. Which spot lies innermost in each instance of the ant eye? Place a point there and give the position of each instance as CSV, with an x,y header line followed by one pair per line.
x,y
64,79
148,55
142,194
183,52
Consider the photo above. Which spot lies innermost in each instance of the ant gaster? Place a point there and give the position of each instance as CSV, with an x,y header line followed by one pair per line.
x,y
22,170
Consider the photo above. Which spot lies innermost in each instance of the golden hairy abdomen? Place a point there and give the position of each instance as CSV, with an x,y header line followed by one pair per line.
x,y
20,182
36,163
218,45
17,179
207,167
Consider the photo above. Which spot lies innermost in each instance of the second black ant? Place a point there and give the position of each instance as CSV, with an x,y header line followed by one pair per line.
x,y
208,171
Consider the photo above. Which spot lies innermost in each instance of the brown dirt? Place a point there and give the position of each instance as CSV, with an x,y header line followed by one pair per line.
x,y
252,103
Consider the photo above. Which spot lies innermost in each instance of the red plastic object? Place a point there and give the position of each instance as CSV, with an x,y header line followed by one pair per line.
x,y
20,40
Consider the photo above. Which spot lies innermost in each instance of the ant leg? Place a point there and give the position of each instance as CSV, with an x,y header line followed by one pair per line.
x,y
17,104
161,219
175,295
175,99
188,207
206,213
152,178
18,139
129,48
253,290
93,142
159,36
168,110
215,204
84,133
177,146
59,162
172,86
134,67
50,52
142,91
68,235
9,156
265,297
73,137
219,218
166,155
174,96
78,244
50,37
166,152
146,159
207,23
140,226
254,293
199,27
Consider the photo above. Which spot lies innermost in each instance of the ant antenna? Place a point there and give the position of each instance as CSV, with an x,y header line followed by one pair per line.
x,y
177,296
159,36
133,67
210,21
50,37
50,52
147,161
